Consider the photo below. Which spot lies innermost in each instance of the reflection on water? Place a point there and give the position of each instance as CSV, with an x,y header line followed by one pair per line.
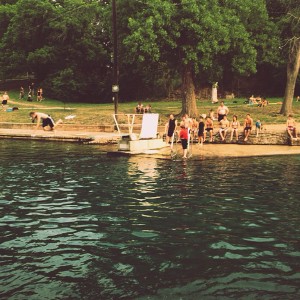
x,y
79,225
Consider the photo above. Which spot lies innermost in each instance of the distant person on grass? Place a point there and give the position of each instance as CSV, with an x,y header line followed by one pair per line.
x,y
5,99
47,121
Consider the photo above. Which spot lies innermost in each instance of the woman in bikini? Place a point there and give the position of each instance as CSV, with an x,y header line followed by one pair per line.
x,y
235,124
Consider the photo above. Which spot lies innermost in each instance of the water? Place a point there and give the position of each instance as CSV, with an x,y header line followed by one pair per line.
x,y
76,224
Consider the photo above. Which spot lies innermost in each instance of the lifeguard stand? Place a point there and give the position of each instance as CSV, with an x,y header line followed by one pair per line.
x,y
140,133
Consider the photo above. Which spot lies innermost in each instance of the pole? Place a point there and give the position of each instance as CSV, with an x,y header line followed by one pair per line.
x,y
115,89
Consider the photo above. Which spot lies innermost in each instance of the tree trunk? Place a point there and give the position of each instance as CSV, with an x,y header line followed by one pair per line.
x,y
189,105
293,66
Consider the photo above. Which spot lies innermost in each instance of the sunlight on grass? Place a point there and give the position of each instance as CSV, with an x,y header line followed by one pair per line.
x,y
97,114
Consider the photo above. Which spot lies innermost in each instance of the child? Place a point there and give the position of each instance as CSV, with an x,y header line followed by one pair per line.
x,y
184,135
258,127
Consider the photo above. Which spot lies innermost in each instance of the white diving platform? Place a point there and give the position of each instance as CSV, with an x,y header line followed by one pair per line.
x,y
141,135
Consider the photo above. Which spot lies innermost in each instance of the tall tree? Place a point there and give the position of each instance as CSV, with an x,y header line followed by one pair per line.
x,y
62,42
192,36
287,16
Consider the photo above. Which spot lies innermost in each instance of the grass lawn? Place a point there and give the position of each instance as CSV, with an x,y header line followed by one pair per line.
x,y
95,114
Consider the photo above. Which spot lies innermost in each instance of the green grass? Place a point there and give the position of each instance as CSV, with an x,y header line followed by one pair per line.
x,y
96,114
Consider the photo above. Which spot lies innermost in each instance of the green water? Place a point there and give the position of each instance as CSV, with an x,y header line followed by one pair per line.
x,y
76,224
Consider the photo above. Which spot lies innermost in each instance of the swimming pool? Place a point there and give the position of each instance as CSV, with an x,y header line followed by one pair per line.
x,y
76,224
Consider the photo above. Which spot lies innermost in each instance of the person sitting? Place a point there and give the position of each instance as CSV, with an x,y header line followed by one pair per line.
x,y
235,124
148,108
252,100
224,125
264,102
139,109
212,115
291,127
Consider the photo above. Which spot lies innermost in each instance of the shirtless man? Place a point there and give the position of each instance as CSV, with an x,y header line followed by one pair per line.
x,y
247,126
209,127
291,127
224,125
5,99
222,111
46,120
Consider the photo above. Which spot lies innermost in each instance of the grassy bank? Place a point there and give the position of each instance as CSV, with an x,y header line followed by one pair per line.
x,y
95,114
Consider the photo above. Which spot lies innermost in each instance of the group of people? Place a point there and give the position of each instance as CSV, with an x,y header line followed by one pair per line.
x,y
140,108
259,101
203,128
31,93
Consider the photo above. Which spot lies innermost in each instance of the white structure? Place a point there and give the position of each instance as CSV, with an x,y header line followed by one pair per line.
x,y
214,93
146,139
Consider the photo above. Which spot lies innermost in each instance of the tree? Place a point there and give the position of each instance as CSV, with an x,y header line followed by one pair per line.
x,y
62,42
192,35
286,15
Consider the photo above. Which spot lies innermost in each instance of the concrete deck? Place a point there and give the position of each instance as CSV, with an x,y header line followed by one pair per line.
x,y
108,142
62,136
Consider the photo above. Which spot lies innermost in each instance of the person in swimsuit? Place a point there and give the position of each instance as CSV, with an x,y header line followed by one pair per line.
x,y
247,126
291,127
235,124
209,127
201,132
46,120
170,128
184,135
5,99
224,125
222,111
258,127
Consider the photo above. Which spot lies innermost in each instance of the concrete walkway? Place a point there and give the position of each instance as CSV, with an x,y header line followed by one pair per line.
x,y
108,142
63,136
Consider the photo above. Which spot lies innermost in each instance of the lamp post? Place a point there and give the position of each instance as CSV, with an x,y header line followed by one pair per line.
x,y
115,84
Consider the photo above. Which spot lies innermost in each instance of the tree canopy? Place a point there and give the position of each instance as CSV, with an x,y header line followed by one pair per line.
x,y
163,45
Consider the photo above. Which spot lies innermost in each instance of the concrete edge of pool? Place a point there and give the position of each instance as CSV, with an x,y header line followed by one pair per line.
x,y
108,143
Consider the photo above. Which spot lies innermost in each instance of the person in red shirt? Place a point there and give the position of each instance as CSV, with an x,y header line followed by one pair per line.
x,y
184,135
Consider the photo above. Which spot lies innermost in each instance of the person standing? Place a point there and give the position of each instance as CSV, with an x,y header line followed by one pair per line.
x,y
222,111
22,93
170,128
247,126
184,136
201,132
39,95
5,99
209,127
